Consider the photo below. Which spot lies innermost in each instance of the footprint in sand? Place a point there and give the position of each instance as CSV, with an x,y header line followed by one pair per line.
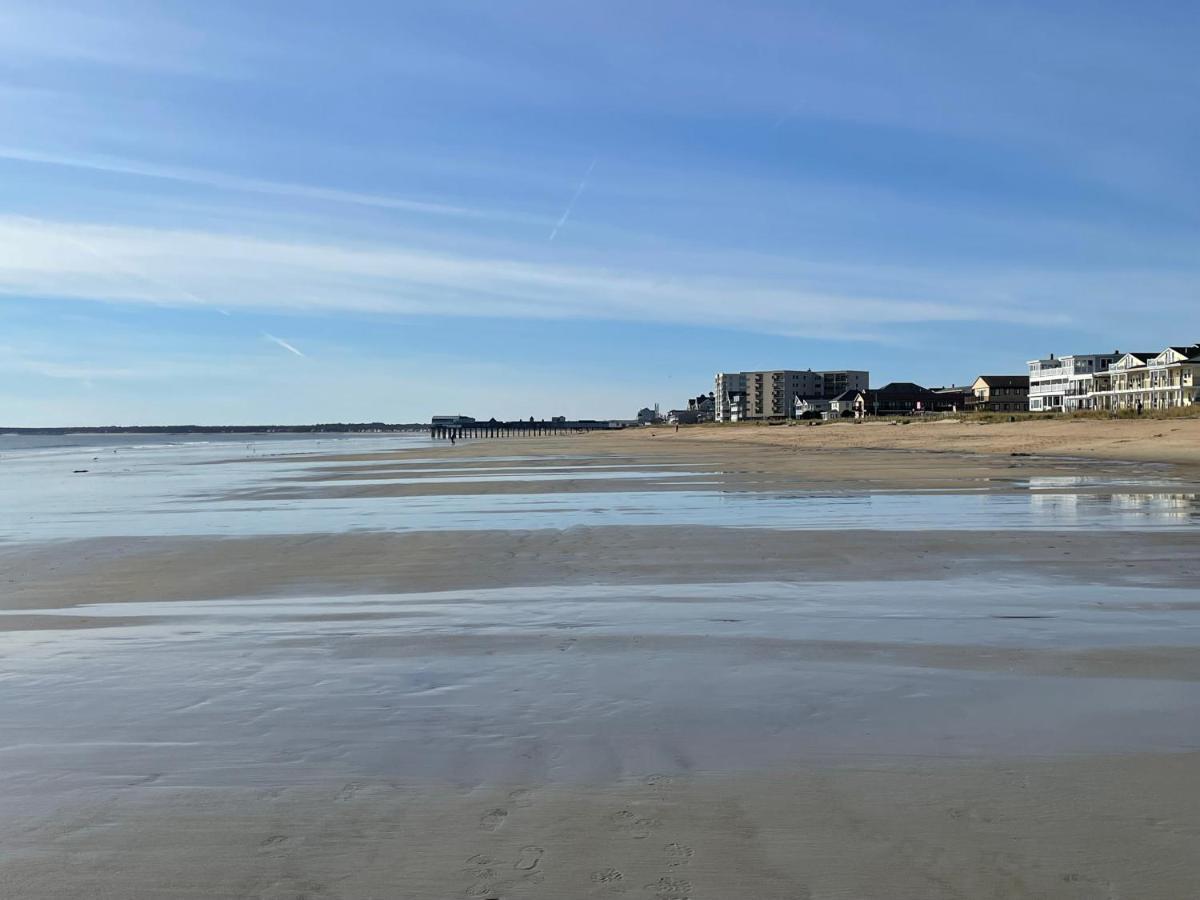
x,y
678,854
671,889
493,819
273,840
641,828
522,797
483,892
606,876
635,827
480,867
529,858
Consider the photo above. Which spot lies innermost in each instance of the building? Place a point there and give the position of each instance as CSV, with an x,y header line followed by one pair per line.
x,y
903,397
1001,393
810,407
1058,384
1149,380
854,403
648,416
742,396
453,421
704,406
955,398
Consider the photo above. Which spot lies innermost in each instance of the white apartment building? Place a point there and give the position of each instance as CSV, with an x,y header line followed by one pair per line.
x,y
1151,380
771,394
1066,383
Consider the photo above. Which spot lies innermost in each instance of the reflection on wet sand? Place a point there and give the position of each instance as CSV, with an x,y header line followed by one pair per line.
x,y
658,677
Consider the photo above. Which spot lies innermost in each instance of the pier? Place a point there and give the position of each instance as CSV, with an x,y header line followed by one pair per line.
x,y
516,429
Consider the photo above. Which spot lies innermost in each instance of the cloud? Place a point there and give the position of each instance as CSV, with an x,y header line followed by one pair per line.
x,y
237,183
46,259
66,363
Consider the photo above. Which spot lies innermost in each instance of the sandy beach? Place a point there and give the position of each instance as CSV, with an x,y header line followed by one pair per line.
x,y
868,661
1163,440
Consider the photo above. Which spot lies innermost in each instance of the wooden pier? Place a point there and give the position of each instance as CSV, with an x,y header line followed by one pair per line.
x,y
477,430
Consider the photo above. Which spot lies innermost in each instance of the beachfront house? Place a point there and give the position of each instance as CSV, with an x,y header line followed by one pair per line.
x,y
810,407
849,403
704,406
1146,380
955,398
1001,393
903,398
1067,383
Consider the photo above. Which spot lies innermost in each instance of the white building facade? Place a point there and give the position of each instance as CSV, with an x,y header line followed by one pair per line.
x,y
1066,383
1116,381
1151,380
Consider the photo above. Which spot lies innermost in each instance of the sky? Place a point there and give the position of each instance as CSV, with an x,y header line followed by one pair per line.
x,y
231,212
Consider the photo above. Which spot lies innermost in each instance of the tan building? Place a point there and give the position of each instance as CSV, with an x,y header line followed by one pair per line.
x,y
1151,380
1001,393
772,394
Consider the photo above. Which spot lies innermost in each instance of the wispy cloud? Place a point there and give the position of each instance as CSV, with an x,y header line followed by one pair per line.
x,y
282,343
574,197
227,182
61,362
123,268
249,273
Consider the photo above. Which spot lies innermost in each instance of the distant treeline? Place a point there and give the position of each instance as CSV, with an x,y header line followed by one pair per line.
x,y
329,427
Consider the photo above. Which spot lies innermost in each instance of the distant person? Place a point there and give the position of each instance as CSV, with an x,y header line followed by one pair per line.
x,y
1139,407
452,439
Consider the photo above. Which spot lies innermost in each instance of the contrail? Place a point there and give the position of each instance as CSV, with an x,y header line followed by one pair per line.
x,y
787,115
282,343
570,206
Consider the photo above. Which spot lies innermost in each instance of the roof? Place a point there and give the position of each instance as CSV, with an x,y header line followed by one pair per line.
x,y
903,387
1005,381
848,395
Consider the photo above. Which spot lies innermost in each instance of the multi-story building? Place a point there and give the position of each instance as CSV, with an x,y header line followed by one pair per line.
x,y
1066,383
704,406
741,396
1150,380
1001,393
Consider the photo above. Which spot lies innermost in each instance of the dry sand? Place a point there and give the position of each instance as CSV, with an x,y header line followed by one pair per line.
x,y
1168,440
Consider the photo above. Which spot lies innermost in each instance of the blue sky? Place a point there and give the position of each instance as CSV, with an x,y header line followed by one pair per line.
x,y
290,212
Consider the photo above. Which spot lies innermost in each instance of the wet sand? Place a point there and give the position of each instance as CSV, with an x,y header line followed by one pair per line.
x,y
1077,829
671,669
140,569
